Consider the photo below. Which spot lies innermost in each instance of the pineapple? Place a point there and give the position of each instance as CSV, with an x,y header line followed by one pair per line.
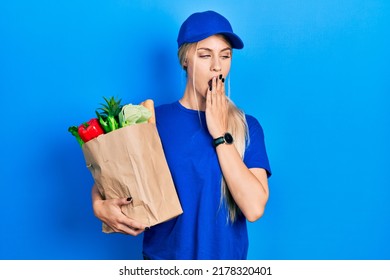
x,y
108,115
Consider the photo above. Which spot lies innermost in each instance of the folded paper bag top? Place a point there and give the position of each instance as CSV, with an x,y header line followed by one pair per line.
x,y
130,162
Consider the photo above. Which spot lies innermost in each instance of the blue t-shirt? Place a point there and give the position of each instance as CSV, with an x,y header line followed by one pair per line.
x,y
203,231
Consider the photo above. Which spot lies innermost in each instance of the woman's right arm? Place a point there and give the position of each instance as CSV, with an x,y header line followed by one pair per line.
x,y
109,212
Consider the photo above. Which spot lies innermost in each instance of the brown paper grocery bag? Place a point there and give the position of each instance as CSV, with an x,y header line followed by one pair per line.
x,y
130,162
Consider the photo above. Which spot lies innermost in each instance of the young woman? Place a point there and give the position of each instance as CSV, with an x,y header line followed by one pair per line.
x,y
215,152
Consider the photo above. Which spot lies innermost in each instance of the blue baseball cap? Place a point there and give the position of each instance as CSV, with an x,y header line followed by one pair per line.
x,y
199,26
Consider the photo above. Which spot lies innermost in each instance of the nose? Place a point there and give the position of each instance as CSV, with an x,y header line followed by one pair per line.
x,y
216,65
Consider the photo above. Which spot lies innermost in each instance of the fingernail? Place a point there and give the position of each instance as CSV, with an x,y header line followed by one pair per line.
x,y
220,76
223,80
129,198
147,228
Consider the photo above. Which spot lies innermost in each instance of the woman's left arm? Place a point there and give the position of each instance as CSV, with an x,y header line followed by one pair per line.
x,y
249,187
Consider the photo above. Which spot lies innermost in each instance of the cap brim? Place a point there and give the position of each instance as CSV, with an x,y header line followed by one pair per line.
x,y
234,40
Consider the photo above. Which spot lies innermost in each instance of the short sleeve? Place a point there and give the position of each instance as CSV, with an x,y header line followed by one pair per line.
x,y
255,154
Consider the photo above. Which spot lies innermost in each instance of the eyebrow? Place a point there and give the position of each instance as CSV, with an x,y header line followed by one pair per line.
x,y
207,49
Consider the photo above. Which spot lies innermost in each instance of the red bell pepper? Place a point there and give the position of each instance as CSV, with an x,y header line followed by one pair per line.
x,y
90,130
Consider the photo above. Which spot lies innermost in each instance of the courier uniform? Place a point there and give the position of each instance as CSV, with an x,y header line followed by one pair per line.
x,y
203,231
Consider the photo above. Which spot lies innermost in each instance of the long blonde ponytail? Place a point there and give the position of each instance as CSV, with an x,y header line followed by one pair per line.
x,y
238,127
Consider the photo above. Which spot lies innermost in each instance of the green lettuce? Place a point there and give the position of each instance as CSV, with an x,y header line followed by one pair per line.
x,y
133,114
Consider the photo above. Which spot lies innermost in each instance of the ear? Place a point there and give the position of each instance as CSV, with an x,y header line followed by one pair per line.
x,y
185,64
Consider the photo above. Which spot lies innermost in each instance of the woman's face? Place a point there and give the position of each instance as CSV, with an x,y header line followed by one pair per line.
x,y
208,58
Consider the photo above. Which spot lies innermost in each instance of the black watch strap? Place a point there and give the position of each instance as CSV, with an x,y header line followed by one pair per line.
x,y
218,141
226,138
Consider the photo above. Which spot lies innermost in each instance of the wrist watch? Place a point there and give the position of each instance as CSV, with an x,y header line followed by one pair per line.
x,y
226,138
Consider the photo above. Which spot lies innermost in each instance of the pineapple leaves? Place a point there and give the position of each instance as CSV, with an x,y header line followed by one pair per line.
x,y
109,112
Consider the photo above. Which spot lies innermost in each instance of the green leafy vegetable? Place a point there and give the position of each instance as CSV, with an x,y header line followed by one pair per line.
x,y
133,114
108,115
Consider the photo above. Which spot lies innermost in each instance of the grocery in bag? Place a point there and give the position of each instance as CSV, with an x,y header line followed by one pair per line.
x,y
129,161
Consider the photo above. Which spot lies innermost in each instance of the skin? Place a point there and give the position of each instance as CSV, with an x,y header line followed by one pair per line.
x,y
208,60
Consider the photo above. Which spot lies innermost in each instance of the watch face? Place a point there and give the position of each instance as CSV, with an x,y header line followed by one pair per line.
x,y
228,138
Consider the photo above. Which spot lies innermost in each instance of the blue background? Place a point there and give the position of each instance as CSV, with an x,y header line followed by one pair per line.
x,y
315,73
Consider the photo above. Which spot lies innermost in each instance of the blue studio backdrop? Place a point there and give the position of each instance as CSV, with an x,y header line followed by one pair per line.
x,y
315,74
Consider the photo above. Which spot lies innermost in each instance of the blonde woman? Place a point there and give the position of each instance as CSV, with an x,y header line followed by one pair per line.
x,y
215,152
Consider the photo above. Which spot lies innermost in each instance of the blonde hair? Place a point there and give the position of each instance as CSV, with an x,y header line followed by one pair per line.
x,y
237,126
